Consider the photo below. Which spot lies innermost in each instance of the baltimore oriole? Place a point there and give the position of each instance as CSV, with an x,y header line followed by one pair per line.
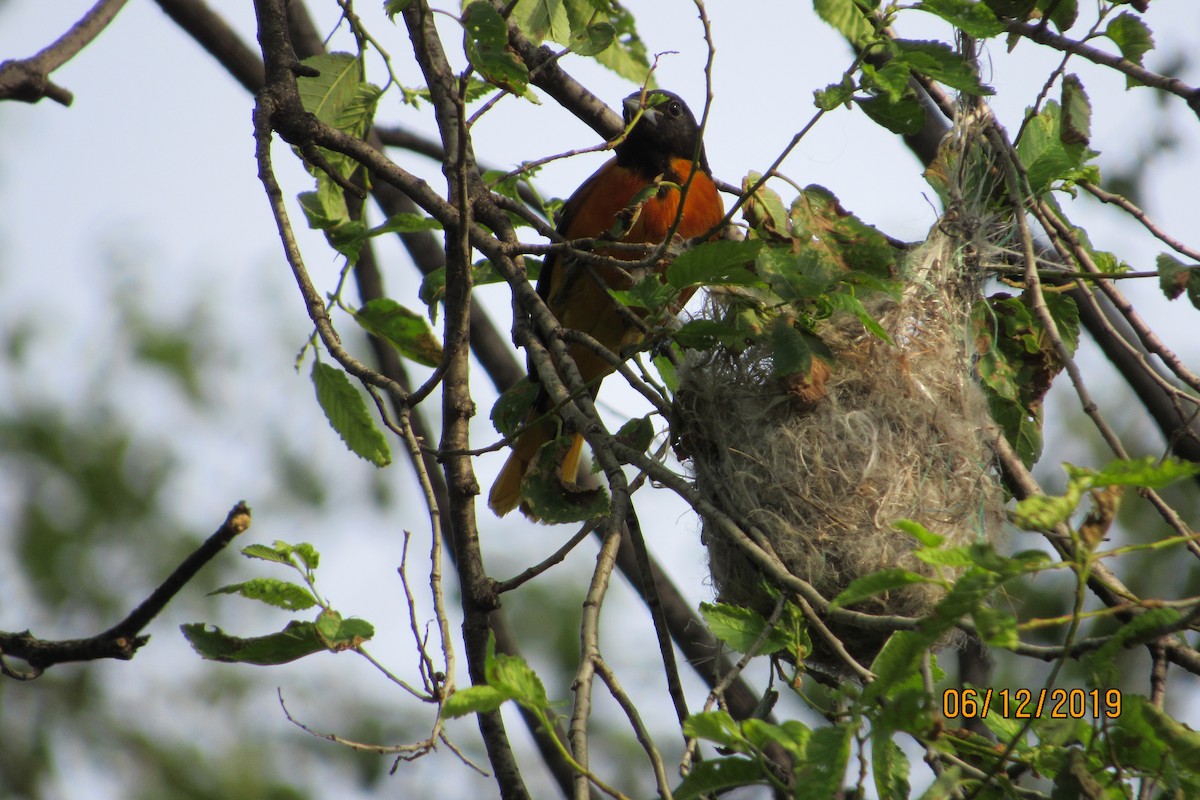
x,y
663,147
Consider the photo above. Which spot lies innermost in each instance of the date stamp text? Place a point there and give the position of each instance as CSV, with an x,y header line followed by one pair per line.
x,y
973,703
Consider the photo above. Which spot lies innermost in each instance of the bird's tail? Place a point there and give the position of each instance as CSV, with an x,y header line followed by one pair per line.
x,y
506,491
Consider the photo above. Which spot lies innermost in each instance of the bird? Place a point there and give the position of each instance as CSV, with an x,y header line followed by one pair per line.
x,y
662,146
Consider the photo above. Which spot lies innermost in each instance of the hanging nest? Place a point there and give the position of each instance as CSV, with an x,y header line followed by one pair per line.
x,y
897,435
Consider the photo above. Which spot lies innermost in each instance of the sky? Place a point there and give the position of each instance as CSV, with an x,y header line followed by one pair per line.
x,y
146,186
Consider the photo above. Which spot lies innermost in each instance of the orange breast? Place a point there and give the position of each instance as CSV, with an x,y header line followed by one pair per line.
x,y
592,211
576,294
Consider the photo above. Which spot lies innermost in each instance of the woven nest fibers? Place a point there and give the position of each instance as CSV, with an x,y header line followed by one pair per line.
x,y
897,436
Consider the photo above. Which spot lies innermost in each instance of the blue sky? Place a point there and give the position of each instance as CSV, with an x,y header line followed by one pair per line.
x,y
152,169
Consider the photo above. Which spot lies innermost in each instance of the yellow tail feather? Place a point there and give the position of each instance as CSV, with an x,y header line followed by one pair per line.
x,y
571,461
506,491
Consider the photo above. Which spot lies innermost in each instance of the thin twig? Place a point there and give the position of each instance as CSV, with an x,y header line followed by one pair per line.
x,y
1141,216
639,728
589,655
556,557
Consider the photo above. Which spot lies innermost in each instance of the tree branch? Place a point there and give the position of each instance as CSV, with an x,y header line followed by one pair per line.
x,y
122,640
1043,35
28,79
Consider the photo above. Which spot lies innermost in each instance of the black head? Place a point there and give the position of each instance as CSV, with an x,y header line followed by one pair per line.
x,y
666,129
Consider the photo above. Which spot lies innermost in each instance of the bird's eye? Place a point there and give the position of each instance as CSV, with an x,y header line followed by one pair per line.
x,y
675,108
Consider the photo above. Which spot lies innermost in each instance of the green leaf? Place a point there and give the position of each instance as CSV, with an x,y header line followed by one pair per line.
x,y
1021,428
761,734
889,766
876,583
667,371
281,553
307,554
515,679
486,46
905,116
790,353
1175,277
638,433
841,240
834,95
595,28
338,634
796,277
1136,738
628,57
1005,728
1017,363
1077,777
716,774
512,408
650,293
847,18
892,79
1044,512
348,237
719,262
1044,152
593,39
542,19
1102,664
340,97
700,334
473,700
407,222
548,499
740,628
1182,742
996,628
394,7
295,641
714,726
1148,472
336,95
1077,112
272,592
940,62
325,209
405,330
1065,313
984,556
764,210
926,537
896,661
946,557
1062,12
820,776
947,786
848,302
969,16
968,594
1132,38
347,414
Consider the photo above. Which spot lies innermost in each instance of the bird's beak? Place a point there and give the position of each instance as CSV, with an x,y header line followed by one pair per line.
x,y
633,103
